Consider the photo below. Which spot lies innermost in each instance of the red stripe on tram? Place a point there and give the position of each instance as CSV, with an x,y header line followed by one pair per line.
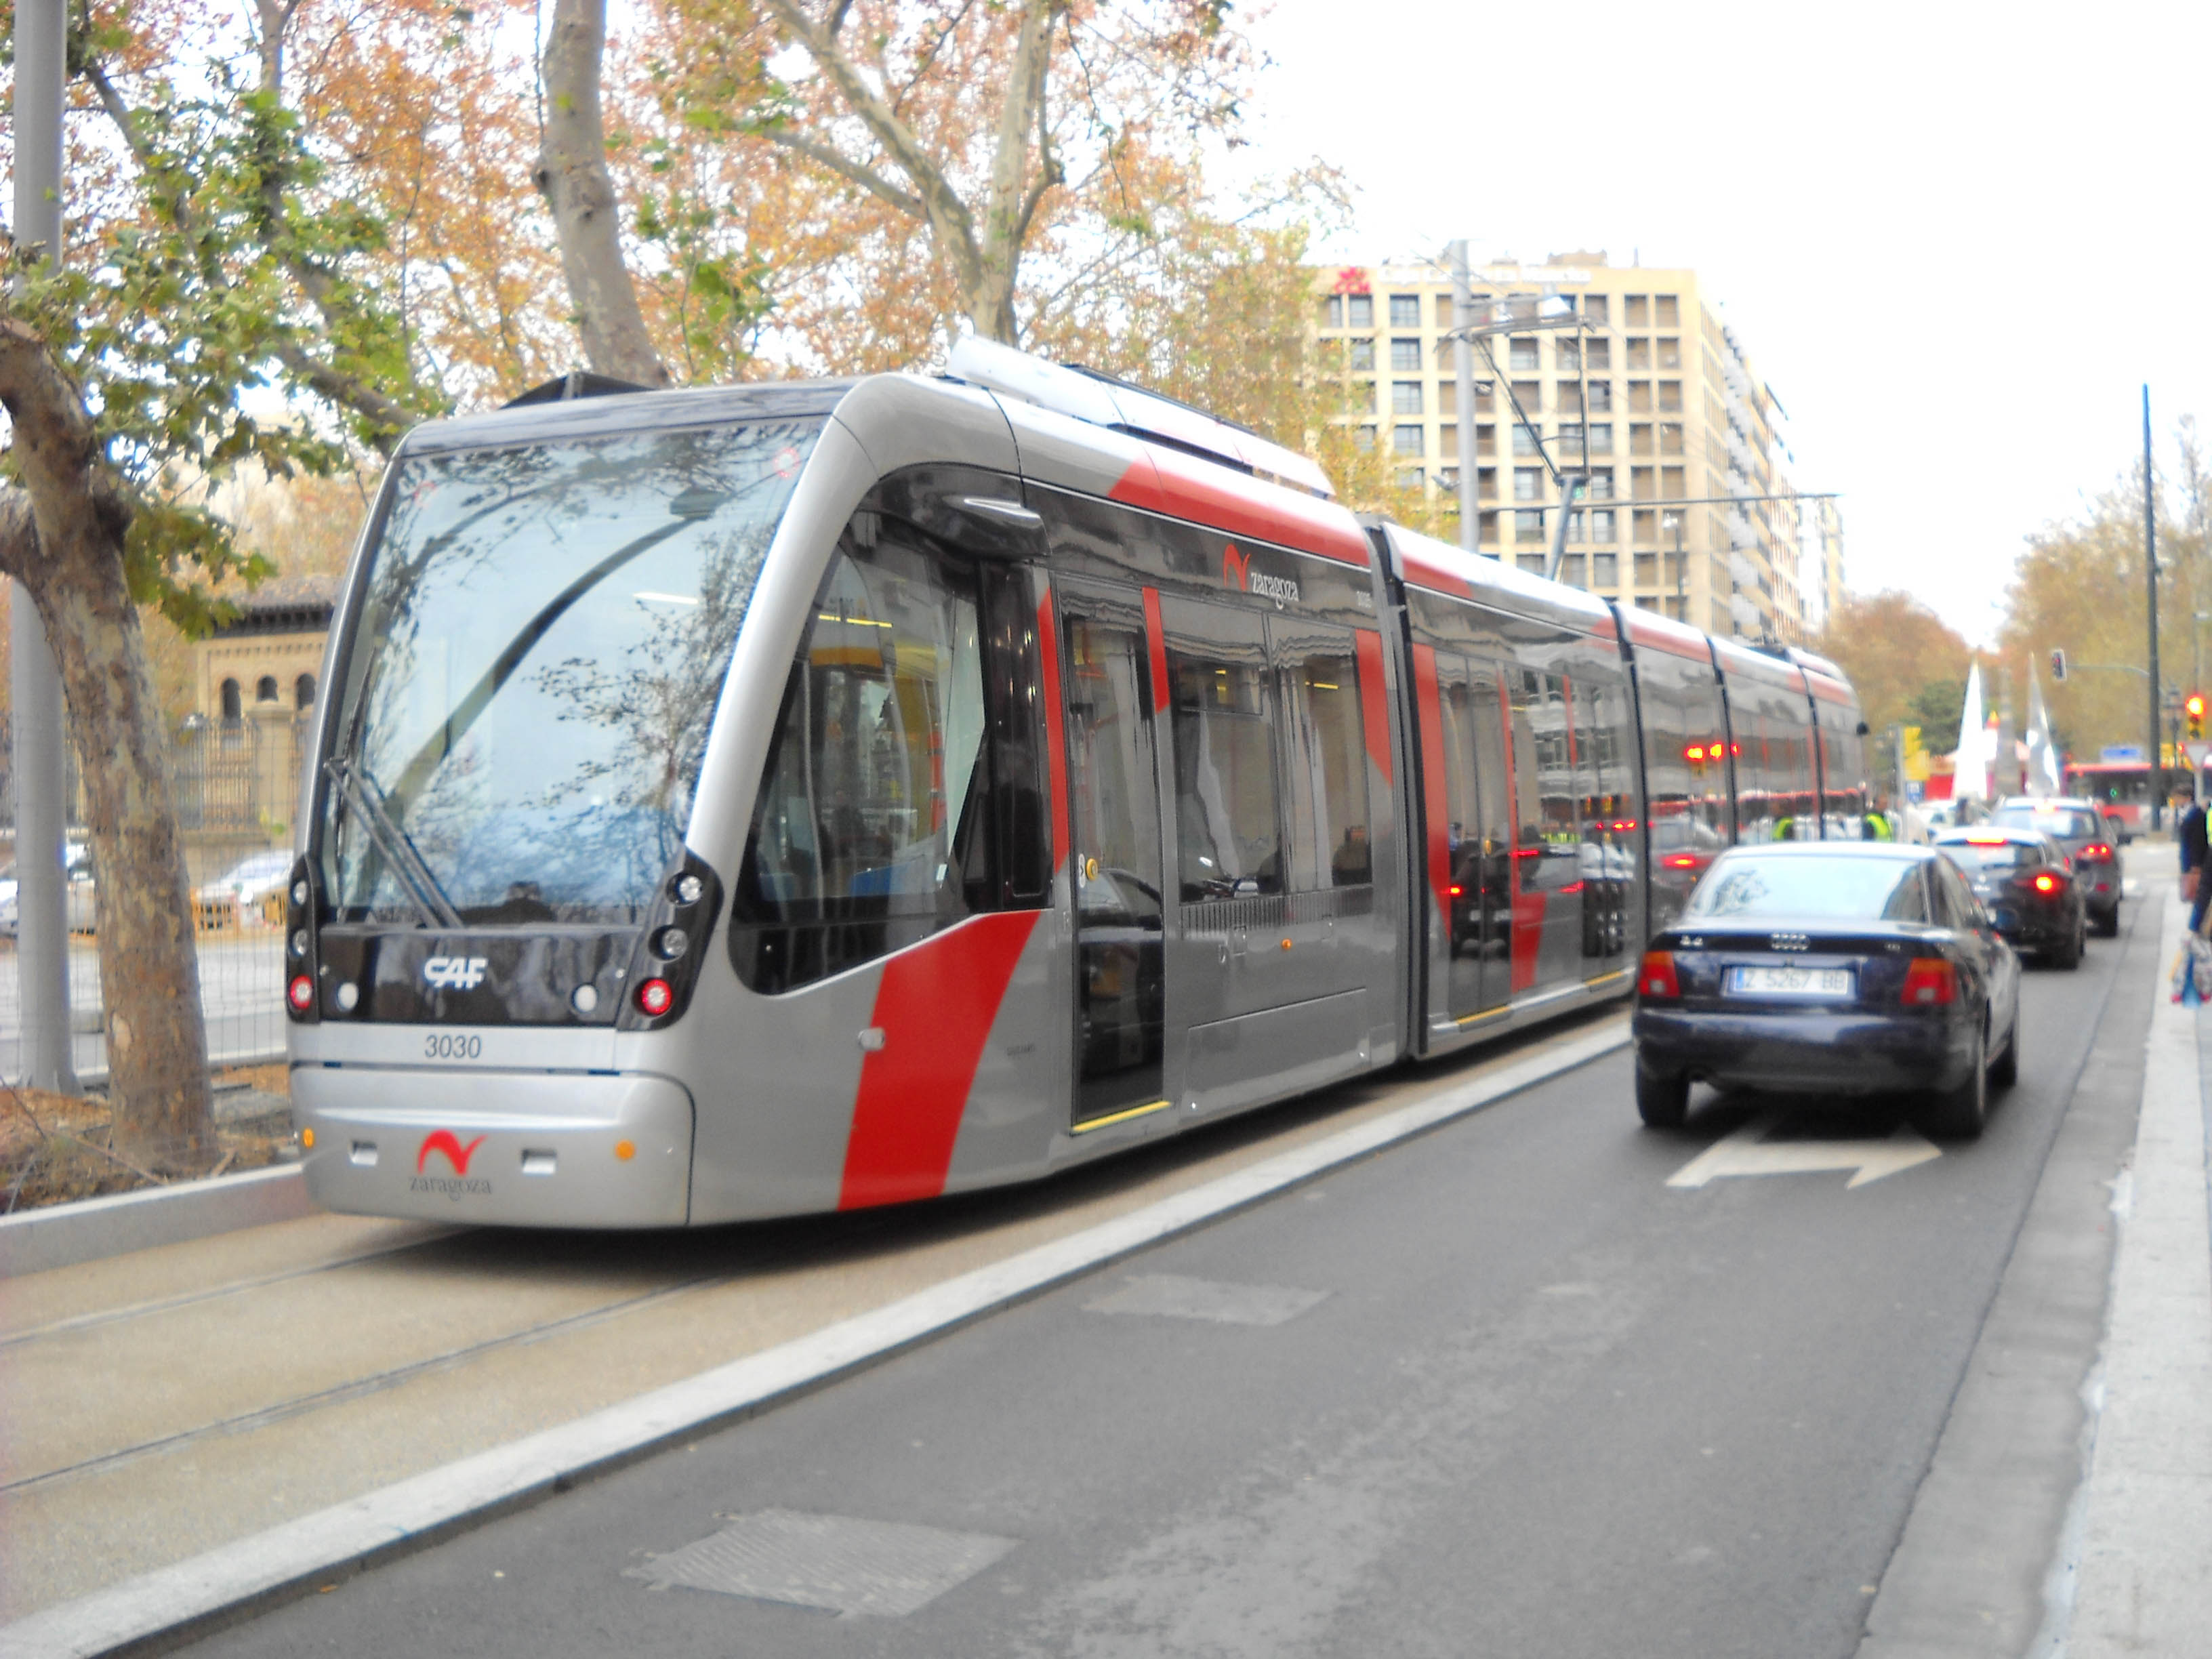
x,y
1434,804
1374,700
935,1009
1055,737
1156,644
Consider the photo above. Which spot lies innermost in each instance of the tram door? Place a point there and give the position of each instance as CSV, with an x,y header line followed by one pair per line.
x,y
1114,797
1479,836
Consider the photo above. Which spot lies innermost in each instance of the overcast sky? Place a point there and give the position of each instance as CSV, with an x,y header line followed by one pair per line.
x,y
1956,240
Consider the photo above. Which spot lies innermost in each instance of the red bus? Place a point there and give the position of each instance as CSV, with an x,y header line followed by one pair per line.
x,y
2120,788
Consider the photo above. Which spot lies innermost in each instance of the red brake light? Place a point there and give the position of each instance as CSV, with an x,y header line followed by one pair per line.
x,y
654,998
2096,852
2047,883
1930,981
1681,861
302,992
1455,893
1656,977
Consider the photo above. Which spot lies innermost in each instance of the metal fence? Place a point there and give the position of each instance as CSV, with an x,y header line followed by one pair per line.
x,y
236,786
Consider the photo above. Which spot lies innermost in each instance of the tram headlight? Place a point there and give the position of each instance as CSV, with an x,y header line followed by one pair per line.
x,y
300,942
688,888
299,894
671,943
654,998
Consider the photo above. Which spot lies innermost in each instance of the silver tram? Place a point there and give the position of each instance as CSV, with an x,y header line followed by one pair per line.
x,y
736,803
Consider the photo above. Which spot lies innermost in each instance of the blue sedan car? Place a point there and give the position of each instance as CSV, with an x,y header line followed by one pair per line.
x,y
1853,968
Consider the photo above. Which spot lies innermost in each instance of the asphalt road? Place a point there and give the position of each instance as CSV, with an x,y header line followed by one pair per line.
x,y
1501,1390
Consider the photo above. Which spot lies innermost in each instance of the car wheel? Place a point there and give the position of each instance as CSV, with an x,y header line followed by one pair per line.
x,y
2068,954
2108,925
1959,1114
1663,1098
2004,1071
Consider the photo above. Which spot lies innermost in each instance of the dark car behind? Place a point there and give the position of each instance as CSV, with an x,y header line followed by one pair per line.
x,y
2092,850
2024,880
1830,968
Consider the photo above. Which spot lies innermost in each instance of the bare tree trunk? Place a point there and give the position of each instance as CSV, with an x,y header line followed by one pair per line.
x,y
571,172
67,553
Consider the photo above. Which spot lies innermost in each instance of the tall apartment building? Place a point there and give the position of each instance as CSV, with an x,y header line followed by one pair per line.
x,y
1662,393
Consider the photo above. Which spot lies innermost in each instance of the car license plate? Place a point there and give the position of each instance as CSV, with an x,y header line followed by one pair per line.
x,y
1789,981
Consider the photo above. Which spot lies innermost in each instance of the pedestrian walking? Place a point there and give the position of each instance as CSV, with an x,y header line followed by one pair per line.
x,y
2189,832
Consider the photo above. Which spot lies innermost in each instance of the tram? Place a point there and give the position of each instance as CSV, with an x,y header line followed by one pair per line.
x,y
799,797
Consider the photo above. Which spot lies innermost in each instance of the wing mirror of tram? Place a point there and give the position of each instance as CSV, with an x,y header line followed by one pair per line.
x,y
665,966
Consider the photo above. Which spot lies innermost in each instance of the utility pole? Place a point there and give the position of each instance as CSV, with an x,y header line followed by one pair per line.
x,y
2150,576
1470,507
35,681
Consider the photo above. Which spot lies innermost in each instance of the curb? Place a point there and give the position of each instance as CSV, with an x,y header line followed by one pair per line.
x,y
166,1608
63,1235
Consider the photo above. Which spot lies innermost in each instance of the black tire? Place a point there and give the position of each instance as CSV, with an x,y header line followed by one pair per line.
x,y
2004,1070
1959,1114
2068,954
1663,1098
2108,925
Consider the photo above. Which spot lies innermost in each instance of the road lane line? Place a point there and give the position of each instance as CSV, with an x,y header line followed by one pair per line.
x,y
1748,1153
228,1584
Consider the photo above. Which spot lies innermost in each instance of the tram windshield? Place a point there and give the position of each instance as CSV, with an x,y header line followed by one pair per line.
x,y
543,641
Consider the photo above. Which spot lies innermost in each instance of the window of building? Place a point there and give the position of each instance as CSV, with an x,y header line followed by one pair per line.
x,y
1447,477
1490,528
1360,310
1597,354
1524,440
1412,478
1639,354
1485,483
1601,438
1604,526
303,692
264,688
1647,570
1444,318
1571,567
1568,353
1405,356
1367,440
229,702
1669,310
1639,438
1485,438
1636,311
1448,440
1605,568
1670,351
1601,396
1569,397
1577,527
1405,440
1570,442
1532,563
1527,483
1639,397
1644,483
1405,397
1529,526
1484,392
1531,394
1672,484
1332,311
1670,437
1522,356
1405,311
1363,353
1670,397
1596,307
1644,525
1447,395
1601,483
1226,791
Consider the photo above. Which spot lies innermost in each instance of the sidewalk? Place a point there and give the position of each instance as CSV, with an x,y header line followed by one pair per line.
x,y
2143,1567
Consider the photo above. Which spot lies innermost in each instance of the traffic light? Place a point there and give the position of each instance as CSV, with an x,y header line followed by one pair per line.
x,y
2193,706
2058,664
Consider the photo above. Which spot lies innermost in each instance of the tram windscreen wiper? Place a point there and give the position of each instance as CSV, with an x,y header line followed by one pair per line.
x,y
415,877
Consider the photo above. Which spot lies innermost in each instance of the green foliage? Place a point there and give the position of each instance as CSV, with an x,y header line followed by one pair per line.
x,y
1937,708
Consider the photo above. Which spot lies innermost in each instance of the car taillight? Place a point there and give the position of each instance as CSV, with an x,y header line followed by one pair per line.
x,y
1681,861
654,997
301,991
1930,982
2096,852
2045,882
1656,977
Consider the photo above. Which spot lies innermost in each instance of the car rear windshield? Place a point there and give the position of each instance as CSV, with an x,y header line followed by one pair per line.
x,y
2067,823
1990,855
1752,886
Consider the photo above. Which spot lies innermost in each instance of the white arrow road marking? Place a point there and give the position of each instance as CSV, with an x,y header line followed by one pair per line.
x,y
1748,1153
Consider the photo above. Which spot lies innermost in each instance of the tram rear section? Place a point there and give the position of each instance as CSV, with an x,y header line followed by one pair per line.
x,y
792,799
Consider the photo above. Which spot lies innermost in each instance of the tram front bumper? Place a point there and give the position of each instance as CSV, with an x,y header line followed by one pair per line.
x,y
535,1149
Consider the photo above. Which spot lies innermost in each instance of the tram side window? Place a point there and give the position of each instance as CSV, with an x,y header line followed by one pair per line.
x,y
1558,831
1225,787
1526,692
1328,803
873,827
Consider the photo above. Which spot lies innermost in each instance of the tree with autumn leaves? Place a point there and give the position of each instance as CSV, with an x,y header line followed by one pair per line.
x,y
291,235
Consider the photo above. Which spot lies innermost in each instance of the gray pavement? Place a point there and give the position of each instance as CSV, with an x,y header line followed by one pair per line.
x,y
1503,1390
241,999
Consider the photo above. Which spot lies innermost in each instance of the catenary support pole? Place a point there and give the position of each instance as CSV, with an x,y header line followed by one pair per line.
x,y
1470,506
2150,577
35,687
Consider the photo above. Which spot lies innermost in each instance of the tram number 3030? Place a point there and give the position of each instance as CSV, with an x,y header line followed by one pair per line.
x,y
438,1046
